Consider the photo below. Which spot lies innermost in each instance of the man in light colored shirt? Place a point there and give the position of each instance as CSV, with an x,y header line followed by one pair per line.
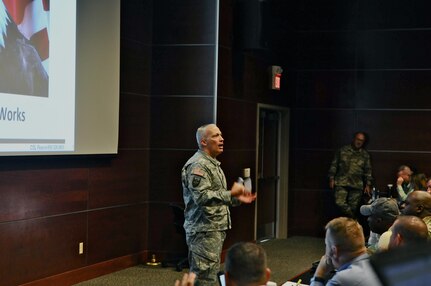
x,y
346,253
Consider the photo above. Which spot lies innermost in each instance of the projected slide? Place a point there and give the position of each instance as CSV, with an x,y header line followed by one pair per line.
x,y
37,75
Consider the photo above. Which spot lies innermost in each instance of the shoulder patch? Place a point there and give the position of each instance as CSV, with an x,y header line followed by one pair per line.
x,y
198,171
196,181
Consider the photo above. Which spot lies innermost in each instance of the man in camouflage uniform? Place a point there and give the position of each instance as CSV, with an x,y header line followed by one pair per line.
x,y
350,169
207,202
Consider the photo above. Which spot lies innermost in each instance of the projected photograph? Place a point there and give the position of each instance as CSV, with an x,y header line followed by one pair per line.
x,y
37,75
24,47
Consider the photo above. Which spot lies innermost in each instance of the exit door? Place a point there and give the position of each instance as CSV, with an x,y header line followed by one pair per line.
x,y
268,173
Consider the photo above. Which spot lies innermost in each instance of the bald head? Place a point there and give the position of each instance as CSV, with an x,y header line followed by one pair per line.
x,y
418,203
408,230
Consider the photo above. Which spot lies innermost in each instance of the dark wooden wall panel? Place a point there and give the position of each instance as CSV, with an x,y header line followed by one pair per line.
x,y
135,68
134,125
175,120
237,121
226,80
165,238
322,128
123,180
320,208
311,169
185,22
137,21
392,89
226,23
183,70
326,50
312,15
325,89
38,193
116,232
38,248
392,14
393,49
397,130
166,168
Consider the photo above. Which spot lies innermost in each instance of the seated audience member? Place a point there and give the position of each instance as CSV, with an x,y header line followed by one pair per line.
x,y
418,203
381,215
419,182
408,230
345,252
245,265
188,280
429,186
404,183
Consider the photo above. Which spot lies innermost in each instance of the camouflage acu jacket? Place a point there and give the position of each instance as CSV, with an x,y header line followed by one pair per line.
x,y
205,194
351,168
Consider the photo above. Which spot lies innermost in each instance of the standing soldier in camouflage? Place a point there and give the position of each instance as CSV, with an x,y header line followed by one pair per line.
x,y
350,175
207,201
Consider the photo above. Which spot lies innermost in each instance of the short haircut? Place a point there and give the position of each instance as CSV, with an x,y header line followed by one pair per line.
x,y
346,233
245,263
201,132
412,229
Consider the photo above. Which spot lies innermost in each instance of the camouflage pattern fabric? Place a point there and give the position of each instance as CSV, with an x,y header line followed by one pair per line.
x,y
206,214
205,195
348,200
403,191
204,256
350,168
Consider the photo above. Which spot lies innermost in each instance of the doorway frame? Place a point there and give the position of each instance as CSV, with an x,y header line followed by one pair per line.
x,y
281,229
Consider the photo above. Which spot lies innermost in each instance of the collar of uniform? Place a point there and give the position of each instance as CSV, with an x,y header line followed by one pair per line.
x,y
212,160
355,150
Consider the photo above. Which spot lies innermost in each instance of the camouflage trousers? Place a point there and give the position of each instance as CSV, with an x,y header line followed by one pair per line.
x,y
348,200
204,256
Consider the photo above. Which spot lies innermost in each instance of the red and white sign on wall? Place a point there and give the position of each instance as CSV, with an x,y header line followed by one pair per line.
x,y
276,77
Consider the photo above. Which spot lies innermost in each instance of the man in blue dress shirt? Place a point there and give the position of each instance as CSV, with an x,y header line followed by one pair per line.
x,y
345,254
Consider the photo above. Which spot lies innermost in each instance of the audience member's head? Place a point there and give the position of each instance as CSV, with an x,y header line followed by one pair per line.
x,y
381,214
405,172
408,230
245,265
419,181
417,203
429,186
344,240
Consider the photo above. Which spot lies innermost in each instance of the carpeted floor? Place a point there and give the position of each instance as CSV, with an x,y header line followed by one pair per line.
x,y
286,258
